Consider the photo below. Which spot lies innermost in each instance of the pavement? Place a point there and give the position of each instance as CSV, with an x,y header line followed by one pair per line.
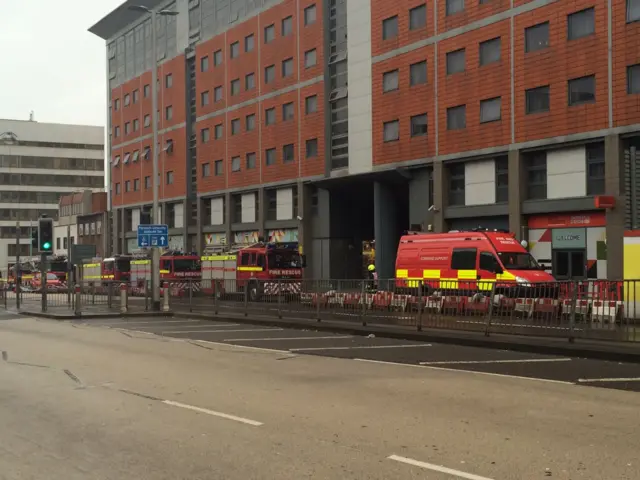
x,y
107,400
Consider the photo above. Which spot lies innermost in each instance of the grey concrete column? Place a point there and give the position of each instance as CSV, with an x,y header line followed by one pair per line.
x,y
122,241
305,233
440,196
614,186
262,212
384,224
419,196
200,244
228,218
115,231
186,220
517,189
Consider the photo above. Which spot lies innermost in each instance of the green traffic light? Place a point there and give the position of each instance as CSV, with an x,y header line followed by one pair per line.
x,y
46,245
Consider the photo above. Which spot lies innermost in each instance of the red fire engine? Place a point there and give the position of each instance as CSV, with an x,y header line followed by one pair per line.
x,y
262,268
179,269
113,269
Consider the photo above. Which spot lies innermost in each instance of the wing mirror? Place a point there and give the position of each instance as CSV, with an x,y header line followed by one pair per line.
x,y
498,269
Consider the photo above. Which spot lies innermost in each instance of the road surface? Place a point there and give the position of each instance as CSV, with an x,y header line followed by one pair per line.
x,y
96,401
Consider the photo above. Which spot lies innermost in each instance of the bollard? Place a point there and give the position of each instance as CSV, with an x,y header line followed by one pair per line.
x,y
123,298
165,302
77,307
109,295
93,293
215,297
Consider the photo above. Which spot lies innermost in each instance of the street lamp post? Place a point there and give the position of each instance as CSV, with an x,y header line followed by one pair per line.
x,y
155,252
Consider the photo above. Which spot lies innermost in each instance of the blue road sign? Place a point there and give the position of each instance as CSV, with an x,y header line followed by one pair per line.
x,y
153,236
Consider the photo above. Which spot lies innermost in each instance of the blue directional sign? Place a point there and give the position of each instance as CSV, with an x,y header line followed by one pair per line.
x,y
153,236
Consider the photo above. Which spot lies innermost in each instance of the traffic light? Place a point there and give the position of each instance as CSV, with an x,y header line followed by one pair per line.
x,y
34,240
45,235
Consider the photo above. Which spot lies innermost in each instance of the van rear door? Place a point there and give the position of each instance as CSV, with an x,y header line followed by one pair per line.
x,y
464,273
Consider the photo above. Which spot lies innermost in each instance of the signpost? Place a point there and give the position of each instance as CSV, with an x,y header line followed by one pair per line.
x,y
153,236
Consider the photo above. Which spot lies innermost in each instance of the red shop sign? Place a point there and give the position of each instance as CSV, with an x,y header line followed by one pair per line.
x,y
562,220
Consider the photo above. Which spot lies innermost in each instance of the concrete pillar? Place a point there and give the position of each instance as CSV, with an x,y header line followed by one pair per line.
x,y
305,232
199,224
440,196
115,231
517,193
228,217
262,212
614,186
420,199
122,241
384,224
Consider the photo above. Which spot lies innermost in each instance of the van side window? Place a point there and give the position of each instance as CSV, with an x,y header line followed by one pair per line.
x,y
253,259
488,261
261,260
244,259
464,259
166,265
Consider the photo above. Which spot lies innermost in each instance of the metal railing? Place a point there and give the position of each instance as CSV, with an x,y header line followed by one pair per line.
x,y
593,309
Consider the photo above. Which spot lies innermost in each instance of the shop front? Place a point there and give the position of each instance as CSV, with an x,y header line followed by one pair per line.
x,y
287,235
246,238
570,246
215,240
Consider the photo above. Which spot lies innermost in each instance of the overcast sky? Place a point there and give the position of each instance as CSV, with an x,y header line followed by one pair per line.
x,y
51,64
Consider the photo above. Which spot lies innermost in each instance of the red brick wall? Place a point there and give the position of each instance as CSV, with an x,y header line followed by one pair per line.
x,y
626,51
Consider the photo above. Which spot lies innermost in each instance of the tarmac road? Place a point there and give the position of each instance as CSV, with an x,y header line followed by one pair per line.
x,y
96,401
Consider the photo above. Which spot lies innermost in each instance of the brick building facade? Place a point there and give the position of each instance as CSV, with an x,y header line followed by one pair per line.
x,y
333,123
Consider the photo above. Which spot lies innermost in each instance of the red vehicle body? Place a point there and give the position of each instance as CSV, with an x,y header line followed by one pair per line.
x,y
470,261
116,268
57,265
53,282
175,267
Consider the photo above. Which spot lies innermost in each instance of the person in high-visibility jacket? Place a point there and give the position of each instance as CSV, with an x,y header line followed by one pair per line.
x,y
373,277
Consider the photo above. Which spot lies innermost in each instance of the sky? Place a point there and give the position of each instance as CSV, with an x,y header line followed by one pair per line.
x,y
51,64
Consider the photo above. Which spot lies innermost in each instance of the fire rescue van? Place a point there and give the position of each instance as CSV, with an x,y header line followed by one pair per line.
x,y
262,268
177,268
113,269
473,260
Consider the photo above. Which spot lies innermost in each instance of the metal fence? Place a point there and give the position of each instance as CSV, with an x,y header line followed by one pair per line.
x,y
585,309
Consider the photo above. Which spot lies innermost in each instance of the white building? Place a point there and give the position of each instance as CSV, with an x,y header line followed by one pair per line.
x,y
39,162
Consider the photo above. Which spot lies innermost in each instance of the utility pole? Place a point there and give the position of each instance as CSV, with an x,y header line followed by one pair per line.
x,y
155,252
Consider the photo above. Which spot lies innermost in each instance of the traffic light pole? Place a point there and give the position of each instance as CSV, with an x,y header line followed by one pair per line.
x,y
155,253
43,280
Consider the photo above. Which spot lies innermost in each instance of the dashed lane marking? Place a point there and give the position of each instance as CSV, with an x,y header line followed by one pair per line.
x,y
213,413
594,380
437,468
358,347
246,347
225,331
267,339
483,362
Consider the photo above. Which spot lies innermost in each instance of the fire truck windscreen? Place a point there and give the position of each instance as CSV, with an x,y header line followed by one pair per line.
x,y
186,265
518,261
58,266
123,265
284,259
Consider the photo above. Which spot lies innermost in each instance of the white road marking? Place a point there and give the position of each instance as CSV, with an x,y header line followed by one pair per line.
x,y
482,362
213,413
359,347
267,339
437,468
590,380
159,322
460,370
220,344
225,331
200,326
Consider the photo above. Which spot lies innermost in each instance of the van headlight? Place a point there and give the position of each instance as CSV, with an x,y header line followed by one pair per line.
x,y
523,282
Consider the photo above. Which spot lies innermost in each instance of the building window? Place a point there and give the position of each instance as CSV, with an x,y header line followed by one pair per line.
x,y
204,64
136,124
490,51
287,111
136,184
217,57
454,6
250,122
536,168
116,104
168,80
455,61
419,125
169,176
136,96
127,128
390,28
287,26
582,90
204,135
168,112
235,87
581,24
456,184
218,168
146,90
235,164
310,58
287,153
116,131
204,98
418,17
310,15
57,244
269,33
418,73
147,182
249,43
391,131
269,74
457,117
217,94
502,179
234,50
235,126
287,67
249,81
206,170
490,110
117,189
218,131
311,104
251,160
390,81
127,186
536,37
270,156
537,100
311,148
270,116
595,168
633,10
127,100
633,79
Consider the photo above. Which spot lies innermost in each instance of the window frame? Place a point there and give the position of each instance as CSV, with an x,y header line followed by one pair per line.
x,y
394,76
595,157
270,152
529,45
288,153
392,24
486,102
633,73
590,13
484,51
528,100
451,56
501,165
421,20
533,165
453,110
391,123
267,112
307,143
412,75
573,82
456,178
307,14
412,126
